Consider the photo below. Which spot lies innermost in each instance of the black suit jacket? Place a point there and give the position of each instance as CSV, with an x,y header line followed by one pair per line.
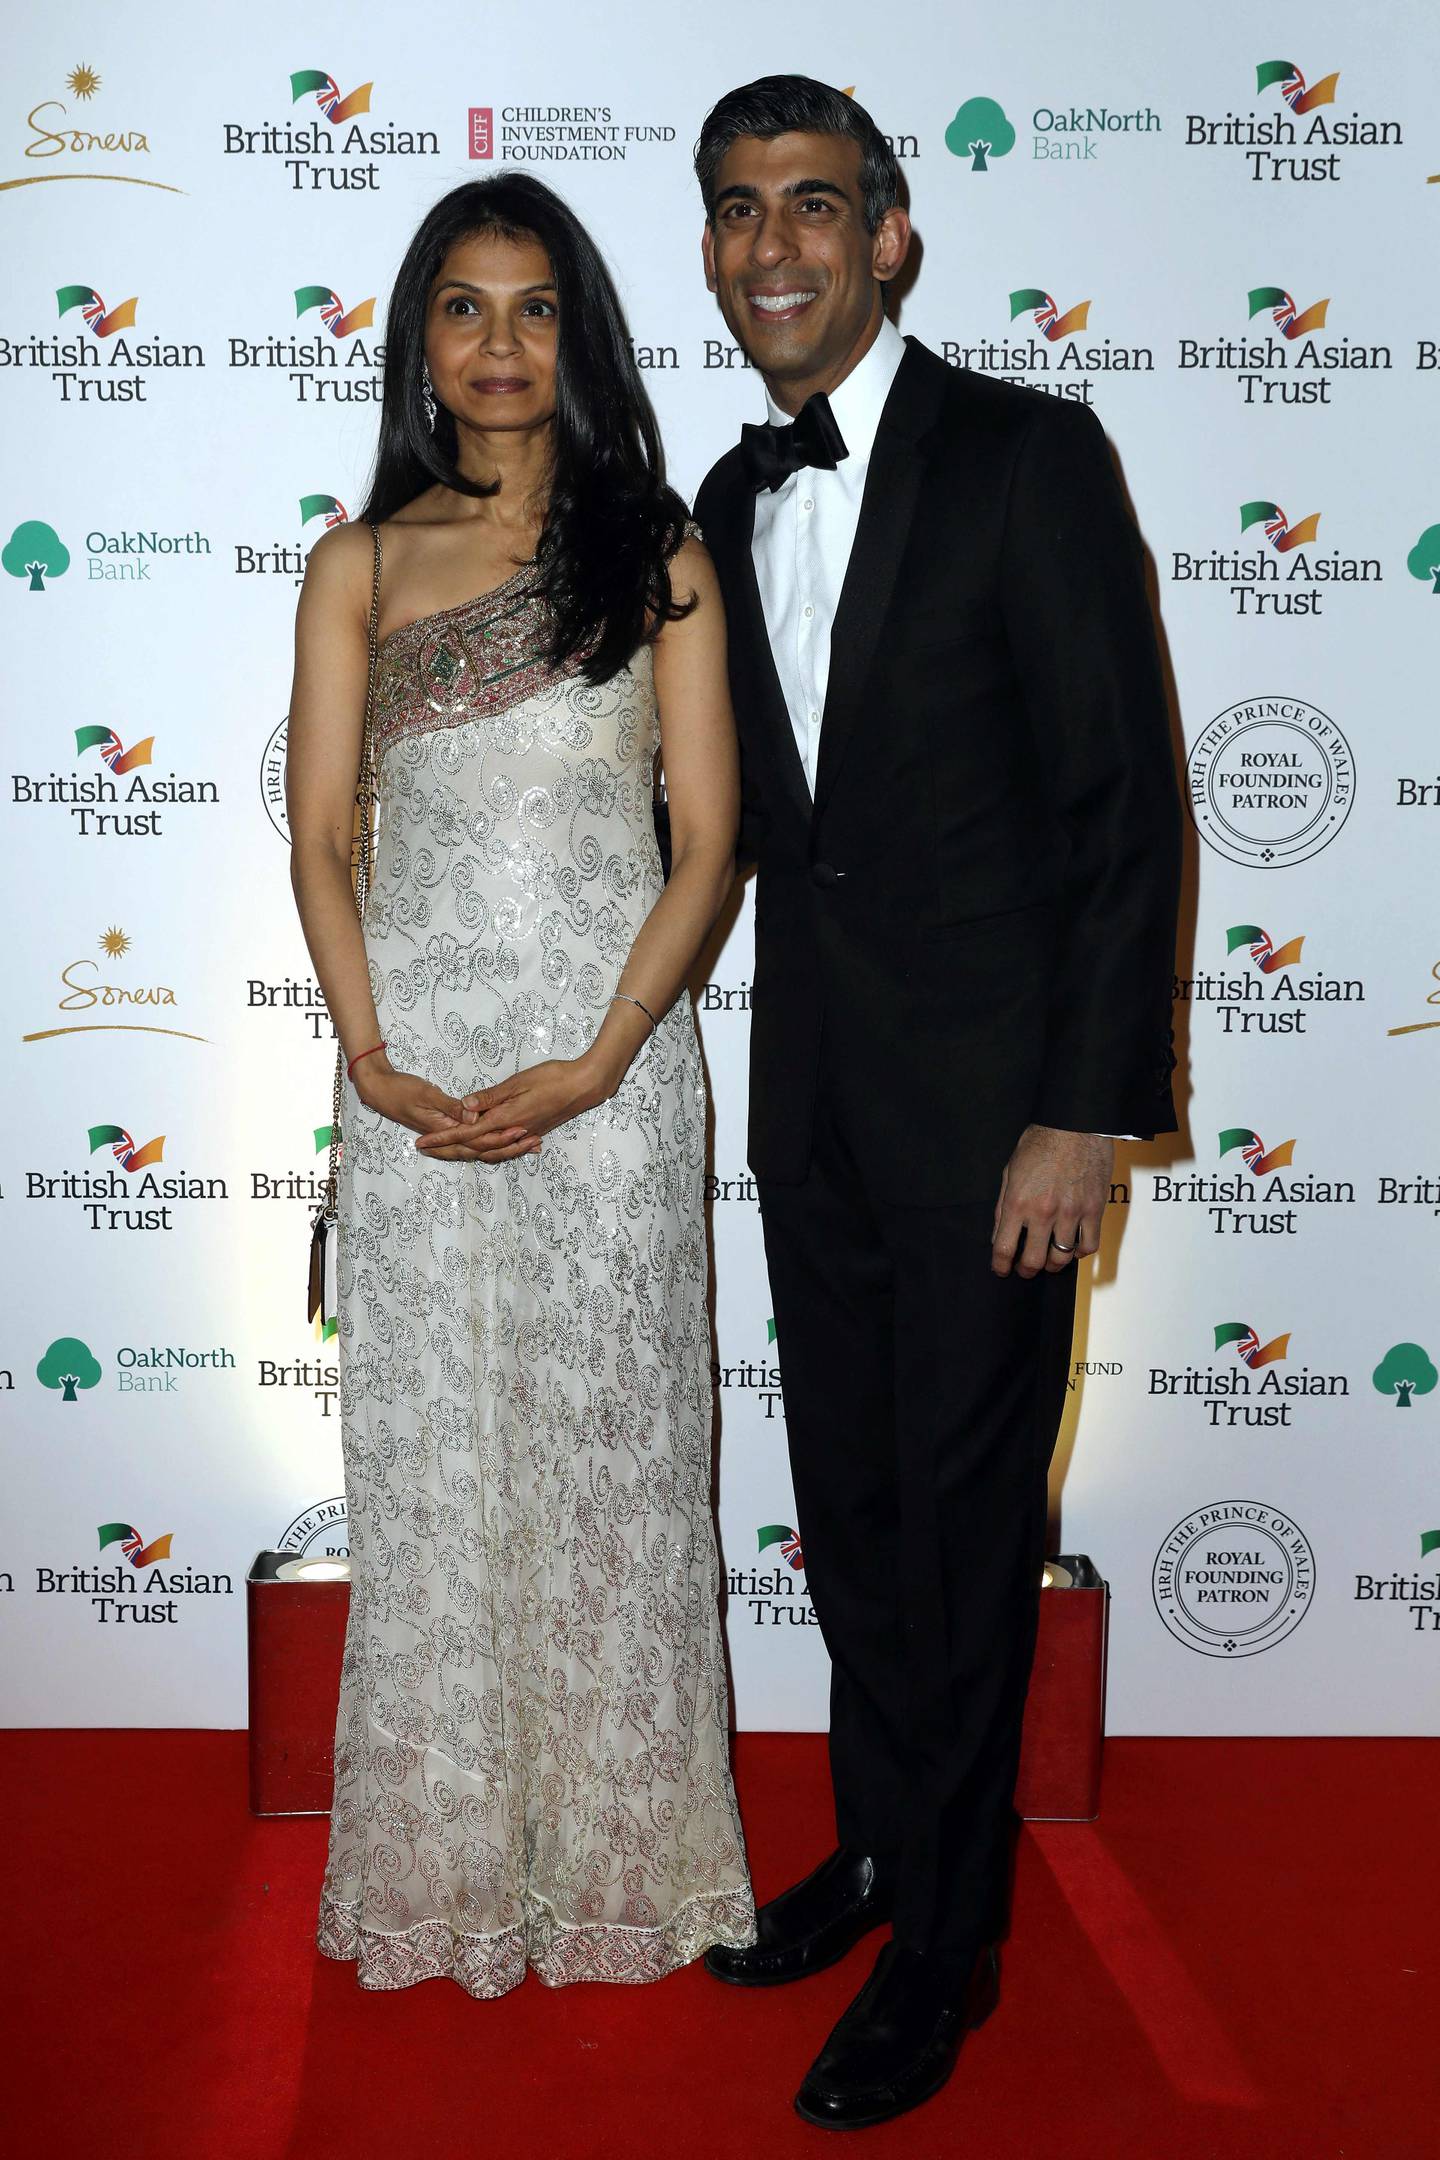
x,y
974,922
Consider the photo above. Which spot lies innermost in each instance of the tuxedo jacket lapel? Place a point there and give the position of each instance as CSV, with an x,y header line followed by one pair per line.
x,y
892,484
751,637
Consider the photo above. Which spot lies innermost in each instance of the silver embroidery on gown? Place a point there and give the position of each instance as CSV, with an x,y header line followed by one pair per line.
x,y
531,1746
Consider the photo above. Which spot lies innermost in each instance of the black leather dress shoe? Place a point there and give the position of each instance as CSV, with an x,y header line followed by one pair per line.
x,y
811,1925
897,2043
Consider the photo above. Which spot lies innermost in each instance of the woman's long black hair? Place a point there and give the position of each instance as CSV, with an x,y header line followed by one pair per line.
x,y
612,522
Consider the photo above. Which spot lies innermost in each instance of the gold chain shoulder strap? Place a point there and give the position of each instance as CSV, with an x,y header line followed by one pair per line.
x,y
365,796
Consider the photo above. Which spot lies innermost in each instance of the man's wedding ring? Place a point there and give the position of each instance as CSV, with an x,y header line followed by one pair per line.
x,y
1061,1248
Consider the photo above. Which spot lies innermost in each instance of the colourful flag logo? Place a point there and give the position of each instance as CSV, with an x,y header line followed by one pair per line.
x,y
123,1148
323,1136
1423,561
1278,530
136,1551
1292,85
1429,1542
1247,1343
92,307
327,94
112,750
329,507
781,1534
1048,319
332,309
1267,957
325,1329
1252,1147
1288,320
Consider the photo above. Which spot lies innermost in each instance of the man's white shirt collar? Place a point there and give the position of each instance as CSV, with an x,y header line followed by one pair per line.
x,y
858,402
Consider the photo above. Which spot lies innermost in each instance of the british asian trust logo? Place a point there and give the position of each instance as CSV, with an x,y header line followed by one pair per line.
x,y
1297,135
93,361
1290,364
1263,989
1233,1579
331,140
1417,1596
139,1589
116,794
1276,575
1250,1381
335,366
1268,1198
774,1596
129,1193
1053,357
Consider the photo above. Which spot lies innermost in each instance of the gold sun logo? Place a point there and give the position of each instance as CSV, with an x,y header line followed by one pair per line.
x,y
83,81
114,943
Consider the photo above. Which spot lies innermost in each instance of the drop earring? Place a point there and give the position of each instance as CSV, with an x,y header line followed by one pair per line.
x,y
427,395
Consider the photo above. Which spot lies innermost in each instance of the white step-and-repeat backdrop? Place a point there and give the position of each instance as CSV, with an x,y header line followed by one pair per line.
x,y
1215,227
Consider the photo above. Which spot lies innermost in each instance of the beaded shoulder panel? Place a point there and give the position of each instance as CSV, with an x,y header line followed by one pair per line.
x,y
472,661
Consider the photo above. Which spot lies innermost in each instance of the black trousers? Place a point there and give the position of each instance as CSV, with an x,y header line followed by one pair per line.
x,y
922,1398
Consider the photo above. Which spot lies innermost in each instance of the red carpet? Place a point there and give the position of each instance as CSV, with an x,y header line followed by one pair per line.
x,y
1238,1960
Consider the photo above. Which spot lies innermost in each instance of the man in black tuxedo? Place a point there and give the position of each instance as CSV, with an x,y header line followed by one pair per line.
x,y
959,791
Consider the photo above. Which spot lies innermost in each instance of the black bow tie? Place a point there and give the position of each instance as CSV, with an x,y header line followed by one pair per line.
x,y
771,454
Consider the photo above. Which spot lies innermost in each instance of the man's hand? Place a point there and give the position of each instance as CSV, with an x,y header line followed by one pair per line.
x,y
1053,1194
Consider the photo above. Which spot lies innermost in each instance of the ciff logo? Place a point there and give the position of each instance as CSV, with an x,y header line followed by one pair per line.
x,y
1423,561
1293,87
35,551
1267,956
123,1148
1405,1371
137,1553
1282,535
1248,1346
482,131
316,83
1259,1160
332,310
1048,320
980,131
68,1364
1288,319
102,320
787,1539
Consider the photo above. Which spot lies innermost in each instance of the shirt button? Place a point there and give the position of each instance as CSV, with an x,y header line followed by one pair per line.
x,y
808,503
809,611
813,718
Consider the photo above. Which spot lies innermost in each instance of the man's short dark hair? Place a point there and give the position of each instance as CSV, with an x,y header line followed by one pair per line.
x,y
797,104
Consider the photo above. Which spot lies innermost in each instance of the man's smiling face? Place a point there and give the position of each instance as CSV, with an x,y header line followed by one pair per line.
x,y
791,263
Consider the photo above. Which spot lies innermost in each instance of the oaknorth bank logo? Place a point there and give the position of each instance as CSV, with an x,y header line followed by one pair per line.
x,y
1281,534
1029,299
337,320
980,131
1258,1159
1292,322
1423,560
1266,954
96,316
1245,1341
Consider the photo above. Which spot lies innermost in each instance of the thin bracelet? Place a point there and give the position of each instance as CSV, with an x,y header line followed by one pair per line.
x,y
349,1069
625,995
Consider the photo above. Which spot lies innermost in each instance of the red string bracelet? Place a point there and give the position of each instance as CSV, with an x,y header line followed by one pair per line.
x,y
349,1069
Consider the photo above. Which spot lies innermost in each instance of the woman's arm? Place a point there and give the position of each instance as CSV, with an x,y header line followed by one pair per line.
x,y
323,746
697,739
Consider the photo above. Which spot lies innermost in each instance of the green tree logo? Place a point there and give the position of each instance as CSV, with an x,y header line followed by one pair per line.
x,y
979,131
68,1364
1404,1372
35,550
1423,561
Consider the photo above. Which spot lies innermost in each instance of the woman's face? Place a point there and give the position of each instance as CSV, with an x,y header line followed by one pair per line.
x,y
491,331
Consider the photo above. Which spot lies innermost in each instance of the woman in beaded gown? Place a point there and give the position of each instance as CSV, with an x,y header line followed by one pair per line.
x,y
531,1759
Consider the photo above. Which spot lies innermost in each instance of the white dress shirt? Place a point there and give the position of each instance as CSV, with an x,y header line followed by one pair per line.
x,y
804,532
